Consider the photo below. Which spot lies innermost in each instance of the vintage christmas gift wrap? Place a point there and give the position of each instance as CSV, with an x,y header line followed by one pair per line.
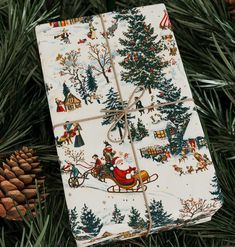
x,y
133,154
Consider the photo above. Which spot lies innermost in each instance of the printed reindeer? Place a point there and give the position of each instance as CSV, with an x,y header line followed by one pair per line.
x,y
178,169
203,162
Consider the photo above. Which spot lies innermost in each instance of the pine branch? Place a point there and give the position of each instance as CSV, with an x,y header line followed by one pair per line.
x,y
205,34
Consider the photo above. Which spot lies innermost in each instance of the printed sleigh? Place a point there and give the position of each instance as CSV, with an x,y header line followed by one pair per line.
x,y
133,156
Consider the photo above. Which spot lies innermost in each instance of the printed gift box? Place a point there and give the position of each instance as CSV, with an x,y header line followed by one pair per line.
x,y
133,155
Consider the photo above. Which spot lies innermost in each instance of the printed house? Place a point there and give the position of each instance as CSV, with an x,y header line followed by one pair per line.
x,y
71,102
194,138
166,129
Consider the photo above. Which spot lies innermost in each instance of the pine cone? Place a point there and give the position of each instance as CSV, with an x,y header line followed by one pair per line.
x,y
18,190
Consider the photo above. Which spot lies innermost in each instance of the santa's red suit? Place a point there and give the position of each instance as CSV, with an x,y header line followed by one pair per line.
x,y
98,162
123,177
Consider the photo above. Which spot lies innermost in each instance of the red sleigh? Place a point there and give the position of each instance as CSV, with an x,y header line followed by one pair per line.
x,y
122,185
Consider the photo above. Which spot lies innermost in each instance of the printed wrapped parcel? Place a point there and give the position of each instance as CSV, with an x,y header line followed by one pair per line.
x,y
101,179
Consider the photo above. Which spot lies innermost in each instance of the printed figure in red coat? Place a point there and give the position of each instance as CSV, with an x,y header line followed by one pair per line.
x,y
59,104
108,152
98,165
123,177
168,153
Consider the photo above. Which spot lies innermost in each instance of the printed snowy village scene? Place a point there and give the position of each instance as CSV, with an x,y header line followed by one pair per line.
x,y
101,179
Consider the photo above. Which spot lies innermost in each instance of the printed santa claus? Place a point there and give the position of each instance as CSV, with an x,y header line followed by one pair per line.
x,y
123,173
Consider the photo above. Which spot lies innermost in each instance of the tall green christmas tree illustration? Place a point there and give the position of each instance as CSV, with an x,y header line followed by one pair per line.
x,y
159,216
74,224
114,102
117,216
141,129
91,81
177,113
217,193
141,60
135,220
90,223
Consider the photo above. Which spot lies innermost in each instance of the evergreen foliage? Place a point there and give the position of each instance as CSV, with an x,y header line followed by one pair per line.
x,y
217,193
73,217
91,81
133,131
66,90
117,217
159,216
142,63
83,93
135,220
142,131
205,34
177,113
90,222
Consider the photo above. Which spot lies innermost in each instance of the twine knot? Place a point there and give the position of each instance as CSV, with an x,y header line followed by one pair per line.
x,y
121,115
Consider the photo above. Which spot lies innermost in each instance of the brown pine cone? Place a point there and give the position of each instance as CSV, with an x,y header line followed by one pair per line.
x,y
18,189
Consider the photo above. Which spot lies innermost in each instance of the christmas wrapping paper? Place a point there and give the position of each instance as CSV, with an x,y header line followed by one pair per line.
x,y
101,179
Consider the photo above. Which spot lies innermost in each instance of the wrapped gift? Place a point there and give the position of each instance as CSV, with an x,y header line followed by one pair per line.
x,y
133,155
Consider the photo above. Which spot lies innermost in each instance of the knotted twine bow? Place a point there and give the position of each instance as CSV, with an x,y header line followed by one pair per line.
x,y
122,115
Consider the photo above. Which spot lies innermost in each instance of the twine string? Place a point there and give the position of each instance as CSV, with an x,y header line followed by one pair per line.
x,y
120,115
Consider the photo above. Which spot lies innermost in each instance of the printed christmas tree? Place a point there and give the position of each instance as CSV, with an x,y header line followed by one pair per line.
x,y
66,90
83,90
90,222
217,193
177,113
113,102
74,223
91,81
142,62
135,220
117,216
133,131
158,215
141,129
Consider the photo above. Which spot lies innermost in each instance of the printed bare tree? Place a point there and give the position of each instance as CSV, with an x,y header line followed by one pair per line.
x,y
101,55
76,156
193,207
71,66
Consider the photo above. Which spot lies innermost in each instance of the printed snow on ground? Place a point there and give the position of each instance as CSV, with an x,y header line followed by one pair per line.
x,y
194,128
114,229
